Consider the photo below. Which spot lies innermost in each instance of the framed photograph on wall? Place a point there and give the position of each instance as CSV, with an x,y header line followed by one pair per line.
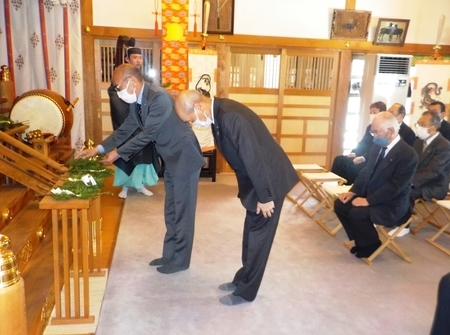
x,y
221,16
391,31
350,24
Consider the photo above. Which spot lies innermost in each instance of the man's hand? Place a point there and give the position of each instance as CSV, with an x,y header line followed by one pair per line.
x,y
345,197
87,153
351,155
358,160
110,158
266,209
360,202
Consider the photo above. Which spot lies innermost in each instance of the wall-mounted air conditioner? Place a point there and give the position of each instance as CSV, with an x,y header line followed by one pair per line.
x,y
391,79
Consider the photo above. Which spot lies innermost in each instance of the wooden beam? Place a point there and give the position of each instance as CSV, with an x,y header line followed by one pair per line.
x,y
350,4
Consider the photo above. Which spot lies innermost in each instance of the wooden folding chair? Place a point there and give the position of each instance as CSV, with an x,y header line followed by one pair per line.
x,y
312,181
331,193
444,205
302,168
428,211
388,242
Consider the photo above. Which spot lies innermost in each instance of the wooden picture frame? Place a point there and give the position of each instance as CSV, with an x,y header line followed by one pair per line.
x,y
391,31
350,25
221,17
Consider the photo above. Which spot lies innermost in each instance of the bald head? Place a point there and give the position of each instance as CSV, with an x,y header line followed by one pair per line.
x,y
188,102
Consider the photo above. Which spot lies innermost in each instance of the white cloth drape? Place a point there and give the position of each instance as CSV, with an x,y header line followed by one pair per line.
x,y
33,39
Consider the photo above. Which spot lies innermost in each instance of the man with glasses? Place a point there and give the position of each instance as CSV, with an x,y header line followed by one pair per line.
x,y
439,108
153,117
431,179
141,170
381,192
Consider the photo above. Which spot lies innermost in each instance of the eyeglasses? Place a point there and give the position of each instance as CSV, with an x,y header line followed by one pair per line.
x,y
117,88
417,125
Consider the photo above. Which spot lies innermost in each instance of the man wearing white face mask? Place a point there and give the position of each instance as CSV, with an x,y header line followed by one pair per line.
x,y
350,166
431,178
139,171
432,175
152,116
264,175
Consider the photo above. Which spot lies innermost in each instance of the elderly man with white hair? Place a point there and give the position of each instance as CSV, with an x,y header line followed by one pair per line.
x,y
381,192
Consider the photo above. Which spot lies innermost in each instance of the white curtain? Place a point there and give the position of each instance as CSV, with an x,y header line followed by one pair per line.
x,y
40,41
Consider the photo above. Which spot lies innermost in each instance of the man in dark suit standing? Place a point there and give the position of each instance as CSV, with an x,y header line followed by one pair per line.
x,y
381,192
439,107
264,175
153,116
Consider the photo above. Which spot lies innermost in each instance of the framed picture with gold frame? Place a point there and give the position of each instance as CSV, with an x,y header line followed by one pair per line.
x,y
391,31
221,16
350,24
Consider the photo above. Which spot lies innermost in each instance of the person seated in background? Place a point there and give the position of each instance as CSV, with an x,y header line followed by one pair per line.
x,y
405,132
349,166
431,178
439,107
381,192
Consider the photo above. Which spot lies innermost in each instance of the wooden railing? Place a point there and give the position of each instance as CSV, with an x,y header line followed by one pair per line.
x,y
24,164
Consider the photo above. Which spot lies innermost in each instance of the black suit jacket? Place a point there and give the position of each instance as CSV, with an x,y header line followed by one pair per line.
x,y
388,189
444,129
407,134
174,139
263,170
433,168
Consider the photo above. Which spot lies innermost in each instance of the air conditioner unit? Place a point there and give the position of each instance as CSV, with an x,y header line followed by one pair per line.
x,y
391,79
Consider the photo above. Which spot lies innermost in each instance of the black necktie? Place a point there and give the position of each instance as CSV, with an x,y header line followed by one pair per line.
x,y
380,158
138,110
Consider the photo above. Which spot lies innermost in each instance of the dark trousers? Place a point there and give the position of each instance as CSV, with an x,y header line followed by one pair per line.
x,y
179,214
441,323
357,223
259,233
344,167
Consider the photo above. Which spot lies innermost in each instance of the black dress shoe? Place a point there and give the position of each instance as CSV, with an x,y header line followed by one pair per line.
x,y
171,268
368,250
160,261
354,249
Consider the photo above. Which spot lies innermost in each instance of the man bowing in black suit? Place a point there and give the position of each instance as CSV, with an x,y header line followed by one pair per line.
x,y
439,108
264,175
381,191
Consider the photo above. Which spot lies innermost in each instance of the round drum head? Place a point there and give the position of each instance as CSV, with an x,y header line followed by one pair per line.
x,y
39,112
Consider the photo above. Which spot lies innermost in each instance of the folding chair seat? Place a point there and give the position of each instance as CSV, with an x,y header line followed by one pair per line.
x,y
330,194
302,168
387,243
444,206
312,182
428,211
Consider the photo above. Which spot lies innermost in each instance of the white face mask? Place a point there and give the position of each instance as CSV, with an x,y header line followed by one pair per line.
x,y
422,133
371,117
201,124
127,97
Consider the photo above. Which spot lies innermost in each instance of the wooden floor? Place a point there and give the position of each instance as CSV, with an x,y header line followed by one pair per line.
x,y
112,207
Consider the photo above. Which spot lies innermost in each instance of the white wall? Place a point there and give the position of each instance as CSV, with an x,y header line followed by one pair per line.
x,y
289,18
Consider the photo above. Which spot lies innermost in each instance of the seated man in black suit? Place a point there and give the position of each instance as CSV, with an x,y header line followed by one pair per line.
x,y
381,192
349,166
405,132
433,169
439,107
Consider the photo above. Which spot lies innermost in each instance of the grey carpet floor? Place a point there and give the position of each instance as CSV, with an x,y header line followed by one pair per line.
x,y
312,284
